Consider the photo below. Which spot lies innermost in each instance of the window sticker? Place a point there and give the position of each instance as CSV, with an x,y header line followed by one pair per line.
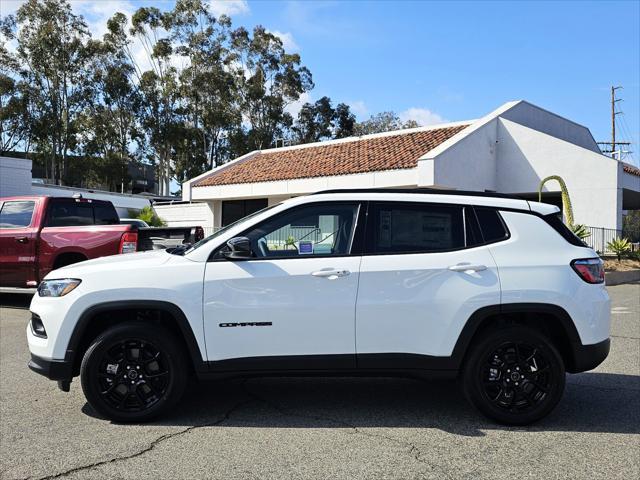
x,y
305,248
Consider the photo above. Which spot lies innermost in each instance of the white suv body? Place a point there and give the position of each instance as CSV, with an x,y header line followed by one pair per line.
x,y
341,282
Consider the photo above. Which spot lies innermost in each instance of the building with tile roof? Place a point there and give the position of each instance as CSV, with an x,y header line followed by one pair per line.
x,y
510,150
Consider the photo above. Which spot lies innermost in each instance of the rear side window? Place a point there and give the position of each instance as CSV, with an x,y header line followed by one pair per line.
x,y
415,228
70,213
491,224
105,214
16,214
555,222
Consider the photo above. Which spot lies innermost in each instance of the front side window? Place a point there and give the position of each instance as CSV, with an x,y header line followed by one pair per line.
x,y
313,230
415,228
16,214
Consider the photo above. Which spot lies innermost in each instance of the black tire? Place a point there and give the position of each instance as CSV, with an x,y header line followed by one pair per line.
x,y
513,375
159,363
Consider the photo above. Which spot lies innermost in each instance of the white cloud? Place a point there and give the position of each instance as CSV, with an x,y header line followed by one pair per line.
x,y
228,7
359,108
294,107
423,116
288,42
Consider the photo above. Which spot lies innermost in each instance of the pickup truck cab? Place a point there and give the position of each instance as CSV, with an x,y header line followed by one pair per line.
x,y
494,290
40,233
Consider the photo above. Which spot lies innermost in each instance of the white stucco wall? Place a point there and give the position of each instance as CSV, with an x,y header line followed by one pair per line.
x,y
15,176
469,164
526,156
185,214
544,121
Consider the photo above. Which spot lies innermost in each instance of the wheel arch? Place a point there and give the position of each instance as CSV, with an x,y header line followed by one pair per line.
x,y
550,319
174,318
59,259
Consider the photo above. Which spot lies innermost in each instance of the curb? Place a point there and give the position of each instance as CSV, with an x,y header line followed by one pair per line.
x,y
617,278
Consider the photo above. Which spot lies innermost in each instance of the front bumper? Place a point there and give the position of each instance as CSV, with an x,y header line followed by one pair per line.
x,y
52,369
588,357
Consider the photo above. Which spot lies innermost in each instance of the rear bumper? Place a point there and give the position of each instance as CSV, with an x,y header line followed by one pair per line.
x,y
588,357
52,369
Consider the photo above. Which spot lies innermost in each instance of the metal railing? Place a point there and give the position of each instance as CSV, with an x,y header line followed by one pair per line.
x,y
599,238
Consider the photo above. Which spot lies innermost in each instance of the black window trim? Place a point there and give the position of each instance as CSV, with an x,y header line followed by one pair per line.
x,y
92,204
357,238
473,218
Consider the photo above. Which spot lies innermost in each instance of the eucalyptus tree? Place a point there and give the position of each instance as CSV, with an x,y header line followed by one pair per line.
x,y
54,52
159,88
111,129
320,121
209,93
269,80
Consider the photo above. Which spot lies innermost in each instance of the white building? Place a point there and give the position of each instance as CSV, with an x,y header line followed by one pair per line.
x,y
508,151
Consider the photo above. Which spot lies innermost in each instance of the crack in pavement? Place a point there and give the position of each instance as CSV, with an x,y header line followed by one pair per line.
x,y
413,449
148,448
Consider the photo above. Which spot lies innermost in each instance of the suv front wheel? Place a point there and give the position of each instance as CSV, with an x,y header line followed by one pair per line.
x,y
133,372
514,375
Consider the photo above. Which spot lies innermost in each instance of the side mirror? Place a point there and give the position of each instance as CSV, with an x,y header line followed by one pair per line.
x,y
239,249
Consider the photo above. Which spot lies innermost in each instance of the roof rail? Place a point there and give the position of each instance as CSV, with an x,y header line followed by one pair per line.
x,y
424,191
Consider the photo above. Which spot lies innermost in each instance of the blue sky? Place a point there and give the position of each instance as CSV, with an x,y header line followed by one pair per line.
x,y
448,61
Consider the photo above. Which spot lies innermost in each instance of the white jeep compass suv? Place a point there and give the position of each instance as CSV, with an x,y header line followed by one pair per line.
x,y
489,288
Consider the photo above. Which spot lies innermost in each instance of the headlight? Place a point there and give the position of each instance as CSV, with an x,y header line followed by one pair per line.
x,y
57,288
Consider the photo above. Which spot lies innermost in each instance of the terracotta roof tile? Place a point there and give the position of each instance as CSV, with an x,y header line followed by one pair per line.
x,y
631,169
366,154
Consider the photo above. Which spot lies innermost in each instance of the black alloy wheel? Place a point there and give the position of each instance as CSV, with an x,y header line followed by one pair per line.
x,y
133,372
514,375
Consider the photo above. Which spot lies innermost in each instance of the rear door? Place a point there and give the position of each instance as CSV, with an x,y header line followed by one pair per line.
x,y
424,272
18,243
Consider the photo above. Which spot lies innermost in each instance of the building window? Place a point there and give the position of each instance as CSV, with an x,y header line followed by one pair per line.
x,y
234,210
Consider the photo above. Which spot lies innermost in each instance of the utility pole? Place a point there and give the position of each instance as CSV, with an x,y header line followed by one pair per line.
x,y
612,144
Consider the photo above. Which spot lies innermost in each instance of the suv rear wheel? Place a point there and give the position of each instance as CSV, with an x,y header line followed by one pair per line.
x,y
514,375
133,372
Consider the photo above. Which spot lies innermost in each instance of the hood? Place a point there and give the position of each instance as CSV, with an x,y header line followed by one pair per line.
x,y
114,262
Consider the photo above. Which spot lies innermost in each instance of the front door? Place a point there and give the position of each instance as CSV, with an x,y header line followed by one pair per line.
x,y
17,244
293,305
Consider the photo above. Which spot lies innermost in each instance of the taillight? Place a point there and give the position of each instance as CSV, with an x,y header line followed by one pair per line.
x,y
128,242
591,270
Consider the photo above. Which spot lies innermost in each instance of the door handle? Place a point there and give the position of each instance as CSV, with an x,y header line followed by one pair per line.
x,y
330,273
22,239
467,267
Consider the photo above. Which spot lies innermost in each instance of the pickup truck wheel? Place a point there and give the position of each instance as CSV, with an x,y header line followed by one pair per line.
x,y
133,372
514,375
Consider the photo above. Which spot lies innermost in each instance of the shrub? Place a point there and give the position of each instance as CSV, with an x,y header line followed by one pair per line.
x,y
619,246
149,215
580,231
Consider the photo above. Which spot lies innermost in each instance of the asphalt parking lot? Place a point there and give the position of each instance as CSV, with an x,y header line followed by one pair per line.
x,y
324,428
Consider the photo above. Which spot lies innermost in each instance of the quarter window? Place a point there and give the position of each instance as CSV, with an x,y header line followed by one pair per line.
x,y
491,224
314,230
16,214
416,228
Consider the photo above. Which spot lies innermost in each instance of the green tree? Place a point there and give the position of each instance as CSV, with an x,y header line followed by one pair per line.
x,y
268,79
54,54
383,122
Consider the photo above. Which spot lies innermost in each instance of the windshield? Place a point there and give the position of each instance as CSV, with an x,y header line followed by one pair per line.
x,y
226,228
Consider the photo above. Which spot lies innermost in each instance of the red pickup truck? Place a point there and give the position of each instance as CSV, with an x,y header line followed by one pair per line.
x,y
39,234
